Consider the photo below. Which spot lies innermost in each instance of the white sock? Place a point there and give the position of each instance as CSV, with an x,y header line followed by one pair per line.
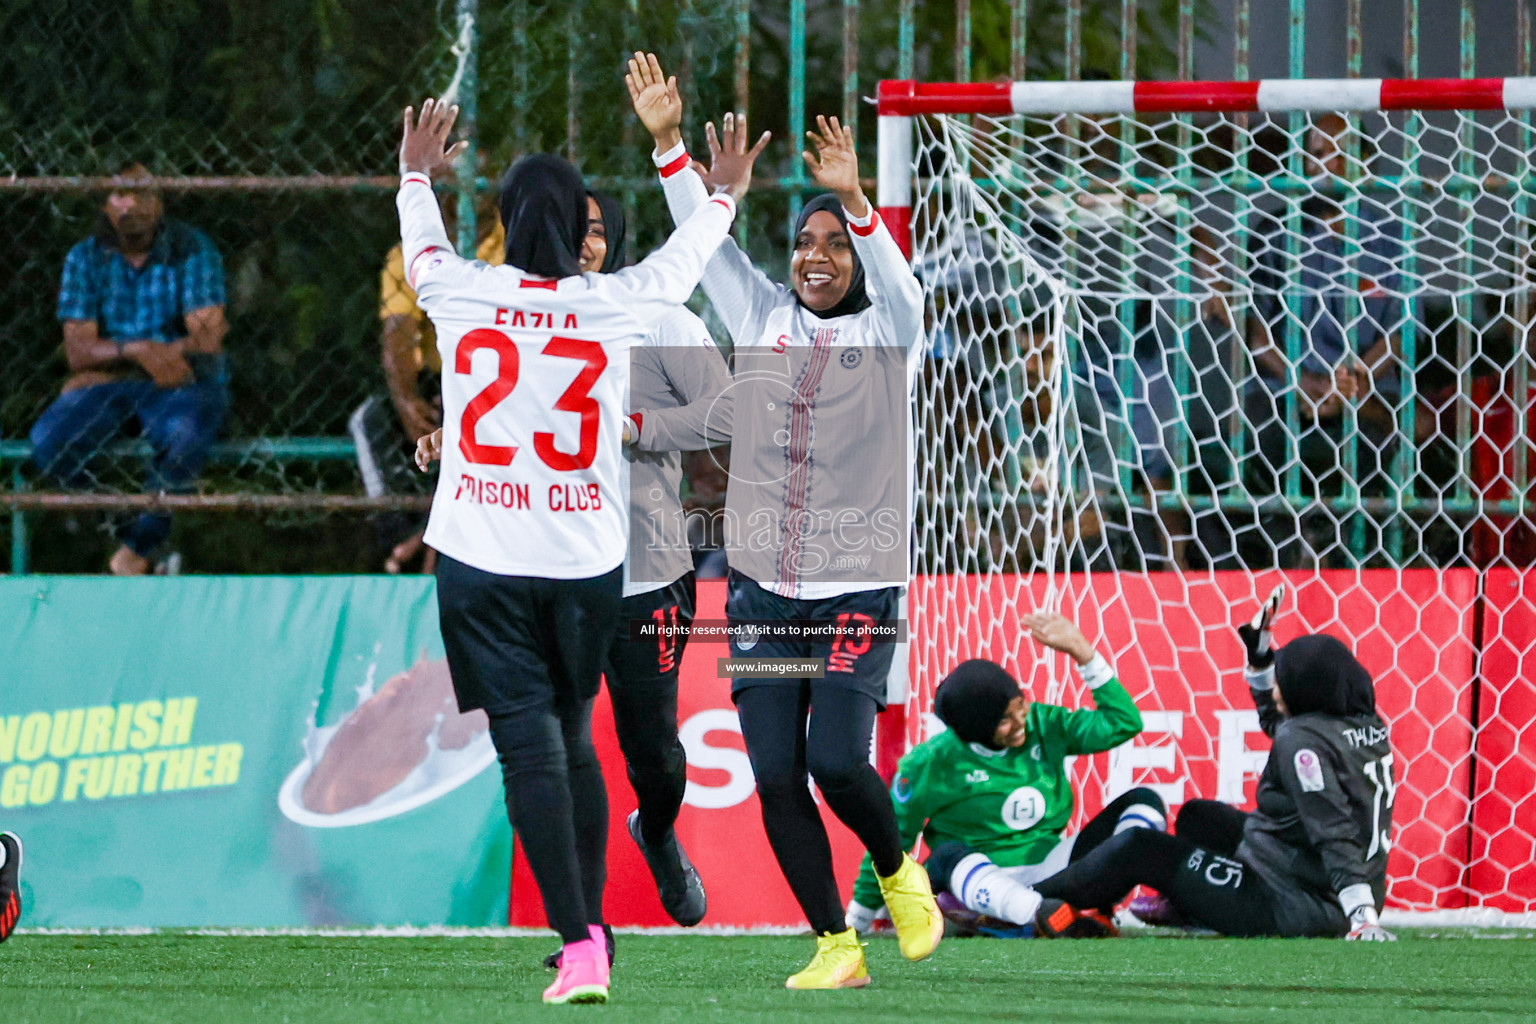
x,y
1141,816
985,888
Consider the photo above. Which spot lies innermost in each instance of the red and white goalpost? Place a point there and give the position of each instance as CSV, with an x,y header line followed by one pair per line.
x,y
1096,432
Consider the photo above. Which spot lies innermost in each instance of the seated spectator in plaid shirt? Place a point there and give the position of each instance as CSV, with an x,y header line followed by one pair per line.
x,y
142,303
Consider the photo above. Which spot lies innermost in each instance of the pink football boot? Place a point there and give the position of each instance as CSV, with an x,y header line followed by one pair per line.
x,y
583,976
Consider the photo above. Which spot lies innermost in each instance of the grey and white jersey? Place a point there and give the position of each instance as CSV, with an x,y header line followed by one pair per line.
x,y
679,369
820,497
1324,817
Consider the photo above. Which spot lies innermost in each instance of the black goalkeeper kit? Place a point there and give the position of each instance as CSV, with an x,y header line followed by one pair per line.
x,y
1324,813
1322,823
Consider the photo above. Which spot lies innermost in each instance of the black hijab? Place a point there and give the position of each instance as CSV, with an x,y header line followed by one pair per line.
x,y
1318,673
855,300
973,699
544,210
612,212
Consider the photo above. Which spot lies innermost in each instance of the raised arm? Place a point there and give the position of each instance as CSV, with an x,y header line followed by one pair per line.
x,y
740,293
423,155
1114,718
892,287
665,279
1259,669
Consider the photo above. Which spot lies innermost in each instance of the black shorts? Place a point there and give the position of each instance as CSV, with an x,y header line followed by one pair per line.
x,y
647,663
519,642
854,660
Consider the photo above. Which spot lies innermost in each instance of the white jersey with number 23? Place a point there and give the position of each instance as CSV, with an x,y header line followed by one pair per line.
x,y
535,377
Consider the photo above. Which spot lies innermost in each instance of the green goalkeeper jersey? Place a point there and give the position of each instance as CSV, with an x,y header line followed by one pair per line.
x,y
1010,804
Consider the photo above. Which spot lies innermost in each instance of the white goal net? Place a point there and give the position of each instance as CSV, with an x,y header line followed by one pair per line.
x,y
1175,359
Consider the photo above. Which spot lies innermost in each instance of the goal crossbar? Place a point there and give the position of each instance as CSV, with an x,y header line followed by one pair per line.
x,y
899,100
1143,302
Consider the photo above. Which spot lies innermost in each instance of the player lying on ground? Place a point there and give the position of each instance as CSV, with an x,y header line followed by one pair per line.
x,y
679,367
10,884
819,438
991,795
1311,859
529,516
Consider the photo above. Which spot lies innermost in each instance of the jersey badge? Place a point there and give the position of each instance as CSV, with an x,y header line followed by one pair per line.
x,y
1023,808
978,775
747,638
901,789
1309,771
851,357
1034,751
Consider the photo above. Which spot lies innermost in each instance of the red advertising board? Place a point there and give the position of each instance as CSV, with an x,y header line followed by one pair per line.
x,y
1503,855
1174,647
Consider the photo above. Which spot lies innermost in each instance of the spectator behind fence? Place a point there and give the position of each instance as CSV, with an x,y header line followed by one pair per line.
x,y
142,303
989,377
385,428
1185,392
1340,293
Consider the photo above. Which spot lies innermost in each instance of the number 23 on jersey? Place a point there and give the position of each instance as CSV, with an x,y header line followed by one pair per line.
x,y
576,399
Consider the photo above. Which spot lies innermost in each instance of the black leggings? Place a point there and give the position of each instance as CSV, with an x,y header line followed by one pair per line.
x,y
642,682
823,732
1211,824
558,806
528,650
946,856
1216,891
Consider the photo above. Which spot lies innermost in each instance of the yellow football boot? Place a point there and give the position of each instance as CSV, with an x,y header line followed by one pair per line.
x,y
838,963
914,912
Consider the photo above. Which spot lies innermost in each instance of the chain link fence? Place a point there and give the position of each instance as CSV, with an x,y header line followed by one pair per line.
x,y
271,127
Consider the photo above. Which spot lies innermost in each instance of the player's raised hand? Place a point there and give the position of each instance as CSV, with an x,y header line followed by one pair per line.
x,y
730,161
656,100
1259,635
424,143
429,448
834,165
1059,633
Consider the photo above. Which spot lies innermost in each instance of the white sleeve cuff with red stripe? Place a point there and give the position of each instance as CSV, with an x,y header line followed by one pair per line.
x,y
413,273
672,161
863,226
726,200
415,176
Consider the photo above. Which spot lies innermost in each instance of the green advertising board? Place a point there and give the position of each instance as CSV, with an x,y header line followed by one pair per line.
x,y
243,752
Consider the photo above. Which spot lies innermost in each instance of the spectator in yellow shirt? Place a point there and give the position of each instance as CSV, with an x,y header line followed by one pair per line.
x,y
385,436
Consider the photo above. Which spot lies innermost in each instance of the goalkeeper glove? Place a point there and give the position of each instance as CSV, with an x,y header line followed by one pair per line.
x,y
1259,639
1364,926
861,918
1359,906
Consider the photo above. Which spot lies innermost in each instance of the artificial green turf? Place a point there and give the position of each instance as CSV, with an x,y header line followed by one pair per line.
x,y
182,978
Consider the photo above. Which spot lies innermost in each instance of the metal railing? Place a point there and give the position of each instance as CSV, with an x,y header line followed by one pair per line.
x,y
273,130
